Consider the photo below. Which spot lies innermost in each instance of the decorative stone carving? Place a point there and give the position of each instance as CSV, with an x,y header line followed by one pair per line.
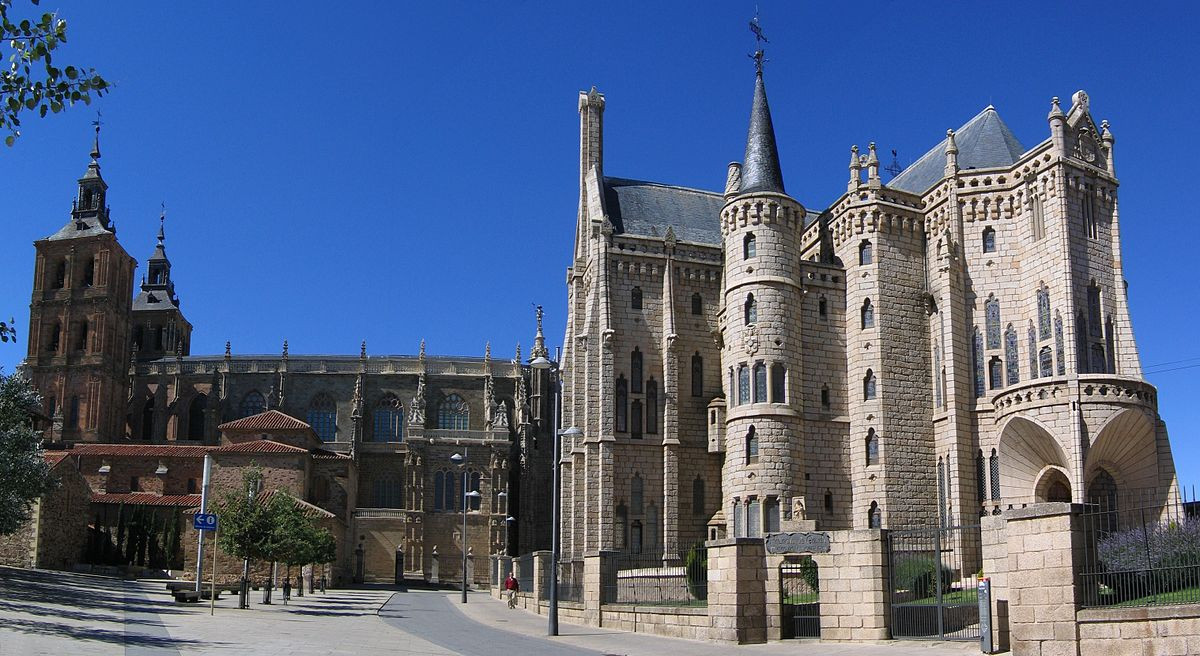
x,y
750,339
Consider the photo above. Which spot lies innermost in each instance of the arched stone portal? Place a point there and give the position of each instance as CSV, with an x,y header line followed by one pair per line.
x,y
1121,467
1031,462
1053,485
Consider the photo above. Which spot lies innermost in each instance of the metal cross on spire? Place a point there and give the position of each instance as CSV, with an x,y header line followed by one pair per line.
x,y
96,142
759,39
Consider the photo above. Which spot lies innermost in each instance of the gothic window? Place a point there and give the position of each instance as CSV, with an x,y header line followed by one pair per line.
x,y
697,304
621,526
73,413
1058,345
828,502
995,373
651,406
473,478
89,272
977,361
869,386
992,318
252,404
1094,321
60,275
387,492
994,474
1099,364
771,512
1037,219
760,383
698,496
635,419
148,419
451,484
989,240
195,422
872,447
439,490
1033,352
751,310
743,392
636,495
754,518
751,445
1089,214
454,413
980,477
823,307
825,396
635,371
1081,343
1110,364
635,298
697,375
1011,360
937,372
778,383
942,491
739,519
81,342
748,246
865,253
868,314
388,424
55,337
1045,362
622,397
322,416
874,516
1043,305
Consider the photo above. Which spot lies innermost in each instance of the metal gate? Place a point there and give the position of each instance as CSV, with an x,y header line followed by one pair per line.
x,y
932,575
799,599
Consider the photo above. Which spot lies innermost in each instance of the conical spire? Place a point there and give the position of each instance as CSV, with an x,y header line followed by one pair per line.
x,y
160,249
760,169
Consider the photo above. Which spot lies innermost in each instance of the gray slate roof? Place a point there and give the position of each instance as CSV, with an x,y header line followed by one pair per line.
x,y
984,142
71,231
638,207
162,300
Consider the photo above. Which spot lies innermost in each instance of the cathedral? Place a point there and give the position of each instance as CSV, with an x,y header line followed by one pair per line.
x,y
921,352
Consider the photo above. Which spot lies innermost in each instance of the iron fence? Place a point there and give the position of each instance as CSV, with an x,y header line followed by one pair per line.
x,y
524,567
800,599
932,571
652,579
570,581
1140,553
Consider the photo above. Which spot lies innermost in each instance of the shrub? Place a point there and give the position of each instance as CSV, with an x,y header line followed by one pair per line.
x,y
810,574
918,574
696,568
1152,559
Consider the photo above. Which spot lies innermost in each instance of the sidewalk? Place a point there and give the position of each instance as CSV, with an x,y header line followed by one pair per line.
x,y
492,612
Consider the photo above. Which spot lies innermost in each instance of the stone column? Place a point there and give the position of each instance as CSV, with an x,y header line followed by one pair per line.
x,y
854,586
1045,544
737,578
470,573
598,575
994,545
541,577
433,567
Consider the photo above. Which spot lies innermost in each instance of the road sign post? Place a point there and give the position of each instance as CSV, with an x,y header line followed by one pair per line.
x,y
212,593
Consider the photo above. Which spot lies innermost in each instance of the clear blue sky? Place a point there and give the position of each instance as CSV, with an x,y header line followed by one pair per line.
x,y
394,171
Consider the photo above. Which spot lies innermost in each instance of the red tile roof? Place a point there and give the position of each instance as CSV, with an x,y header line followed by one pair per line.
x,y
54,457
271,420
143,450
260,446
309,510
148,499
329,455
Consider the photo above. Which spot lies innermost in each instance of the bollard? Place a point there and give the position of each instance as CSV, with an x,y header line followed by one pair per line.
x,y
244,594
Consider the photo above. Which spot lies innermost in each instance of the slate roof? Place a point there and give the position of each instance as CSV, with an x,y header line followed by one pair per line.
x,y
149,499
644,208
271,420
760,167
983,142
71,230
141,450
157,299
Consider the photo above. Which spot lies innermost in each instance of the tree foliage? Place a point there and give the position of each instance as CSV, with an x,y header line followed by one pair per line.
x,y
31,81
247,526
24,473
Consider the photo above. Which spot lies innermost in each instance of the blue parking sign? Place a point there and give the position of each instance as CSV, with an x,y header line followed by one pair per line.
x,y
204,521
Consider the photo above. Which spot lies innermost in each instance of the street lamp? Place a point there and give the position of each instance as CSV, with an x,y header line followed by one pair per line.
x,y
499,497
542,364
460,461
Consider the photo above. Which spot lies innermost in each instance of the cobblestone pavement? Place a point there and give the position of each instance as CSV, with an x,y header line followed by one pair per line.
x,y
55,613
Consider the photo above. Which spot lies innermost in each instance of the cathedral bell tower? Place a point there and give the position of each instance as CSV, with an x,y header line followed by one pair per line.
x,y
761,226
79,318
159,327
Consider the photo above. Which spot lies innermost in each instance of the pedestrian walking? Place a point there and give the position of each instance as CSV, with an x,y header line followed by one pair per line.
x,y
511,587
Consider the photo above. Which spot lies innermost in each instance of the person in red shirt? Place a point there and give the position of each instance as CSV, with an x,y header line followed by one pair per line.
x,y
511,586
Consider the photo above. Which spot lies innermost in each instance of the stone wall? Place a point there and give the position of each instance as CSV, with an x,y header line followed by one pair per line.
x,y
57,531
1161,631
854,586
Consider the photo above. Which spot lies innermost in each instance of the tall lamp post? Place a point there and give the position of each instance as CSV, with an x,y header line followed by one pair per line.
x,y
461,460
542,364
503,496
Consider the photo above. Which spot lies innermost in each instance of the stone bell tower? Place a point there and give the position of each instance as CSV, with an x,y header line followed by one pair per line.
x,y
761,229
79,318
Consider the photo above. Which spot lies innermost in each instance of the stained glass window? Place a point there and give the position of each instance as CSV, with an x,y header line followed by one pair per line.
x,y
635,298
454,413
748,246
989,240
322,416
778,383
636,495
697,304
751,444
937,374
1046,361
1099,364
252,404
635,419
868,314
751,310
869,386
1081,343
977,361
1033,363
872,447
865,253
992,317
388,422
387,492
995,374
651,406
760,383
1012,360
994,474
1058,345
1043,303
754,518
743,384
1094,321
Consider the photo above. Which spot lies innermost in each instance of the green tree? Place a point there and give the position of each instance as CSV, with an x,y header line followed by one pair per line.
x,y
24,473
31,81
247,526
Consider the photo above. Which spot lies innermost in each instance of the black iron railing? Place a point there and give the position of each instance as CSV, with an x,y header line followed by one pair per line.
x,y
652,579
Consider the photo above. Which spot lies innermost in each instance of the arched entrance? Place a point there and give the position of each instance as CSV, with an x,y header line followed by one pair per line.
x,y
1053,486
1032,463
1121,467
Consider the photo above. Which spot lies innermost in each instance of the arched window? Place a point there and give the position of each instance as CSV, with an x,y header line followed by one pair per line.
x,y
981,477
388,424
992,319
148,419
252,404
1037,223
1059,347
825,400
760,383
439,491
635,536
823,307
388,492
652,406
473,480
995,373
1102,491
89,272
869,386
622,401
1043,305
698,496
778,383
73,413
81,343
195,422
872,447
322,416
697,304
1099,364
751,310
452,502
636,495
865,253
939,382
635,298
977,361
635,419
60,275
989,240
55,337
1033,352
994,474
1045,362
828,502
1094,320
751,445
743,391
454,413
748,246
697,375
635,370
868,314
1012,362
874,516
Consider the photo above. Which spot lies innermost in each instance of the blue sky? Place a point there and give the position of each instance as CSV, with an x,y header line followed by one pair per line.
x,y
335,172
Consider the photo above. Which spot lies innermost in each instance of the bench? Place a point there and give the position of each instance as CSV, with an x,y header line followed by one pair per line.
x,y
186,596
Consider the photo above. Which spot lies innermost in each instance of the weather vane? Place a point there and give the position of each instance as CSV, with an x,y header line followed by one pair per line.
x,y
97,123
759,39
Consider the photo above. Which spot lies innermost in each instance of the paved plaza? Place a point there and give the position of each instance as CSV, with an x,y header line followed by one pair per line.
x,y
57,613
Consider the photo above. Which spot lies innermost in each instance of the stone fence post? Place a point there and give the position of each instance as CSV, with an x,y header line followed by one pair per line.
x,y
433,567
737,578
854,586
599,576
503,567
541,577
1045,548
469,575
